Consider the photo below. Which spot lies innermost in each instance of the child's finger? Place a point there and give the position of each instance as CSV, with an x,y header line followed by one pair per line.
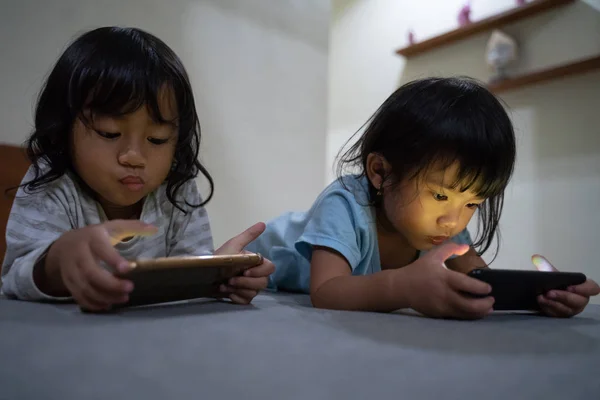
x,y
264,269
243,282
468,307
236,298
447,250
588,288
554,308
464,283
104,251
571,300
94,281
542,264
93,302
248,294
549,311
84,294
103,280
90,305
239,242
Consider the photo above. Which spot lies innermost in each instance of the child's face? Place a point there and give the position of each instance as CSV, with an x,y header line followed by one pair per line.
x,y
426,211
123,159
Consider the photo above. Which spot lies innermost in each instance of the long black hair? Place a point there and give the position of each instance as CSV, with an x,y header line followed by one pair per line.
x,y
443,120
114,71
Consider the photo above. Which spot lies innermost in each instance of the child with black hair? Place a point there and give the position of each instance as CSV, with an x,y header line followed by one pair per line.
x,y
114,156
394,235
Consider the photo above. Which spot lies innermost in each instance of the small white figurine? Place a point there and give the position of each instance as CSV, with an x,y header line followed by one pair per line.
x,y
501,51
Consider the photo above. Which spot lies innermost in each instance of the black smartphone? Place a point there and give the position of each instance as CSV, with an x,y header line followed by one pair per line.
x,y
518,289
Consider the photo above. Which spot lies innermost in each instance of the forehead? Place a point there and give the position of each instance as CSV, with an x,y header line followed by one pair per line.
x,y
448,177
167,103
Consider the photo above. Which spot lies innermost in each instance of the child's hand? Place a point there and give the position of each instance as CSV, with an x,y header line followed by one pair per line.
x,y
564,303
242,289
74,259
436,291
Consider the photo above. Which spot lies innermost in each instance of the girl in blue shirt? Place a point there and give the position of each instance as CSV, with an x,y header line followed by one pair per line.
x,y
393,234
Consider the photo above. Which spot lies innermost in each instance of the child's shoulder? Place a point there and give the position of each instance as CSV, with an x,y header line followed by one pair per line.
x,y
346,196
351,188
35,188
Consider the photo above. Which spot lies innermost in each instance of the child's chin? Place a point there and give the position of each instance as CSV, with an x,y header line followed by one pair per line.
x,y
423,245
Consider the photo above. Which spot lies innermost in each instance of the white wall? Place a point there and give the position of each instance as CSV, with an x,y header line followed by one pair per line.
x,y
552,203
259,71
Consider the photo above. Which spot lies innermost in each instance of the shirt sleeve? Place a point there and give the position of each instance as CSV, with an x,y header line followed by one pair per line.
x,y
333,223
36,220
190,231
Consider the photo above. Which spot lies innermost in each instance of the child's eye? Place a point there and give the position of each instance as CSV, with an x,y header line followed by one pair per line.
x,y
157,141
439,197
108,135
473,205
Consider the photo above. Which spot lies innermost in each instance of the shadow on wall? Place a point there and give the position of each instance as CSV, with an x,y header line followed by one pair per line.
x,y
292,18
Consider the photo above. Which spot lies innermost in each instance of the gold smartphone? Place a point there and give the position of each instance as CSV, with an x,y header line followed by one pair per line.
x,y
169,279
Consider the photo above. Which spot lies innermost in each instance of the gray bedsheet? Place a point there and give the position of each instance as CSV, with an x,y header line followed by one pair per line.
x,y
281,348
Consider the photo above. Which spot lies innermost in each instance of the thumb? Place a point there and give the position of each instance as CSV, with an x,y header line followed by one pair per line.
x,y
237,243
120,229
542,264
447,250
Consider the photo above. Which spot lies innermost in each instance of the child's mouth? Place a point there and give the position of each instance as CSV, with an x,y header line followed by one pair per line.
x,y
437,240
133,183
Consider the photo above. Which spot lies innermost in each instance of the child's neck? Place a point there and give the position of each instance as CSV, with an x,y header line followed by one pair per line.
x,y
118,212
394,249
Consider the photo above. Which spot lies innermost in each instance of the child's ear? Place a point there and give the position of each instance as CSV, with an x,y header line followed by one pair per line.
x,y
377,169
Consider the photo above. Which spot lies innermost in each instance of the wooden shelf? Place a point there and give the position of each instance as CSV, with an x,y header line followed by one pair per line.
x,y
575,68
495,21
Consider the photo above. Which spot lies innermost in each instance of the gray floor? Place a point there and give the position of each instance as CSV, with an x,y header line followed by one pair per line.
x,y
281,348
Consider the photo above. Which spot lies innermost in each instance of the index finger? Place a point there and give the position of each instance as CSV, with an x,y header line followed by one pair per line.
x,y
461,282
104,251
239,242
588,288
467,307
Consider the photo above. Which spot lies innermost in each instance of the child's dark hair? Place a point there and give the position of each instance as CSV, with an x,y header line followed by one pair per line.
x,y
443,120
114,71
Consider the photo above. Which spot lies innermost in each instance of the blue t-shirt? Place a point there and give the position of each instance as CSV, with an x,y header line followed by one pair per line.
x,y
340,219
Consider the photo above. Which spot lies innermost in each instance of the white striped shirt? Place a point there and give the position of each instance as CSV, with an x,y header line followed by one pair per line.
x,y
38,219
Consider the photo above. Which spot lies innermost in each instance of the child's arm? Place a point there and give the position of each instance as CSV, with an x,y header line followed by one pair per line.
x,y
424,286
333,286
35,222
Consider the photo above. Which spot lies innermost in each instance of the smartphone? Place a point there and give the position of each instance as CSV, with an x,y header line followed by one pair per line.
x,y
170,279
518,289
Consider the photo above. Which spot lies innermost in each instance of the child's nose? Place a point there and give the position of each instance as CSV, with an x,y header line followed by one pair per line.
x,y
132,157
449,220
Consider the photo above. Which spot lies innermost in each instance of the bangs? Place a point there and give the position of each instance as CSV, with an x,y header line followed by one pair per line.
x,y
469,136
118,78
484,179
